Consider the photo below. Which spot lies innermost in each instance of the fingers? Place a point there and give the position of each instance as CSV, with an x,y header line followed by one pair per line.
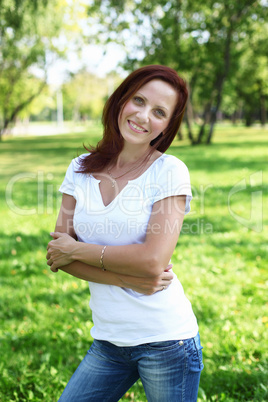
x,y
56,235
53,263
49,244
53,269
167,276
165,280
53,266
49,260
48,255
169,267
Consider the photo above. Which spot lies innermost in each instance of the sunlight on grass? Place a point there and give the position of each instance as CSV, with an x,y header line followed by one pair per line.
x,y
221,260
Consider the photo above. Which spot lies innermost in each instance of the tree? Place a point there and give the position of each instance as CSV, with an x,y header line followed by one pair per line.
x,y
251,81
231,27
85,94
29,32
201,40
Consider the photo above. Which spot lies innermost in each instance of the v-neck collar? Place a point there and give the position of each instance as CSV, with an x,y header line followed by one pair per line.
x,y
129,181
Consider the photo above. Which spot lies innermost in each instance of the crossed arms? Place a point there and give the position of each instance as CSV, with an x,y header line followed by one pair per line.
x,y
141,267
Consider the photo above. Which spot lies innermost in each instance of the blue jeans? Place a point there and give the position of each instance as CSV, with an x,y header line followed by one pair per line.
x,y
169,371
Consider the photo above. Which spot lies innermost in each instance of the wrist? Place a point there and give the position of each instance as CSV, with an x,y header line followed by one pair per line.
x,y
80,252
74,251
88,253
122,281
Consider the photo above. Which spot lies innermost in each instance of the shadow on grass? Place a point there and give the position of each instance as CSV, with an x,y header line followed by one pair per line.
x,y
221,145
219,158
220,164
225,384
208,225
22,243
56,346
51,143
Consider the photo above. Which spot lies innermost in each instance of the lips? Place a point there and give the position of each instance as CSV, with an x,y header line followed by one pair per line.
x,y
136,127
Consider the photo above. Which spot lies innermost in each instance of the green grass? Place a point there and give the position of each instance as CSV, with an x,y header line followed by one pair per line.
x,y
221,261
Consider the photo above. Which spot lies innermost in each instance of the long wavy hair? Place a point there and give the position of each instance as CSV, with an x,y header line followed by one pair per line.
x,y
112,143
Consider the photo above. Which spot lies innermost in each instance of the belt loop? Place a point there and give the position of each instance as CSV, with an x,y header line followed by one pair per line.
x,y
197,341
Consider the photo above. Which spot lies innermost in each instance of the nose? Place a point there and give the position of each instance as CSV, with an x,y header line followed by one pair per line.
x,y
143,115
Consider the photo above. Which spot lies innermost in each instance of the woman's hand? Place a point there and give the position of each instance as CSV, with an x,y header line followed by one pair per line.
x,y
148,286
59,250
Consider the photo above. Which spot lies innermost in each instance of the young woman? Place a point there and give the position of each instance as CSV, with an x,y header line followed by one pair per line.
x,y
124,202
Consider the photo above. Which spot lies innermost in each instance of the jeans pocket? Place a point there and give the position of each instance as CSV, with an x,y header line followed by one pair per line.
x,y
199,348
193,350
164,345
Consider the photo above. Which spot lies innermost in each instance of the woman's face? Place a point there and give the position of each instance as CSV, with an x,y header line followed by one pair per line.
x,y
147,113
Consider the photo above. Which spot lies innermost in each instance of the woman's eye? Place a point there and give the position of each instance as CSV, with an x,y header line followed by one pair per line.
x,y
160,113
138,100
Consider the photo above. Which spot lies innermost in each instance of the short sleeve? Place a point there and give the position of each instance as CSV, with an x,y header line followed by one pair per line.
x,y
68,184
173,179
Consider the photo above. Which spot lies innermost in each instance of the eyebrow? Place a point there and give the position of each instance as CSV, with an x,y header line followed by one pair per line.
x,y
161,107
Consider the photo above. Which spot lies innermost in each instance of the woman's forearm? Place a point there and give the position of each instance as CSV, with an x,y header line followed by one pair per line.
x,y
143,285
148,259
93,274
134,259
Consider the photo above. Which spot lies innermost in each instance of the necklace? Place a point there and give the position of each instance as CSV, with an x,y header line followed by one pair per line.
x,y
128,171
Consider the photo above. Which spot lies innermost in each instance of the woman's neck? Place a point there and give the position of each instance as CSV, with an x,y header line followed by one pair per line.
x,y
130,155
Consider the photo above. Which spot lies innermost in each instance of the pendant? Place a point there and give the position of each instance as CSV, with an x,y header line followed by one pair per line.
x,y
113,182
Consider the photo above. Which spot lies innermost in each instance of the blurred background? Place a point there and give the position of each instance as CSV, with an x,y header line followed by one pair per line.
x,y
59,62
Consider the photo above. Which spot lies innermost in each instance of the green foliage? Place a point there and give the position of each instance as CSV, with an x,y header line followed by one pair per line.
x,y
29,39
25,32
85,94
222,264
206,42
250,82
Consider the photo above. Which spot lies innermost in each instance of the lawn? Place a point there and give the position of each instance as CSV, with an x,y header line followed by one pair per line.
x,y
221,260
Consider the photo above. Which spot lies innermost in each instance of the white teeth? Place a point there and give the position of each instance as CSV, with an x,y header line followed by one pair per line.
x,y
136,127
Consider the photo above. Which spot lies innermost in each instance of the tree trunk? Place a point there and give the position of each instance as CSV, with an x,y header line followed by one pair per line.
x,y
263,109
205,122
188,119
211,130
248,118
201,133
180,136
4,128
234,117
221,79
214,111
190,134
9,119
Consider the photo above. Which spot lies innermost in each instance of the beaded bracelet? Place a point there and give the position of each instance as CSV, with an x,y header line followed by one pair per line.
x,y
101,258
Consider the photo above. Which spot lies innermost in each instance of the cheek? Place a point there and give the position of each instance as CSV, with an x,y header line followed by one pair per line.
x,y
127,110
159,126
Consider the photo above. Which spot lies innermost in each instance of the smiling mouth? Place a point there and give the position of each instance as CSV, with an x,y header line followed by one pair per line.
x,y
137,128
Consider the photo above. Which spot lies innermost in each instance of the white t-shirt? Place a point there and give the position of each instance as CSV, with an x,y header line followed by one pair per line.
x,y
120,315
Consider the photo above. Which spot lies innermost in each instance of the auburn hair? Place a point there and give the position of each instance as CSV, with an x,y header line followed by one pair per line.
x,y
112,142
